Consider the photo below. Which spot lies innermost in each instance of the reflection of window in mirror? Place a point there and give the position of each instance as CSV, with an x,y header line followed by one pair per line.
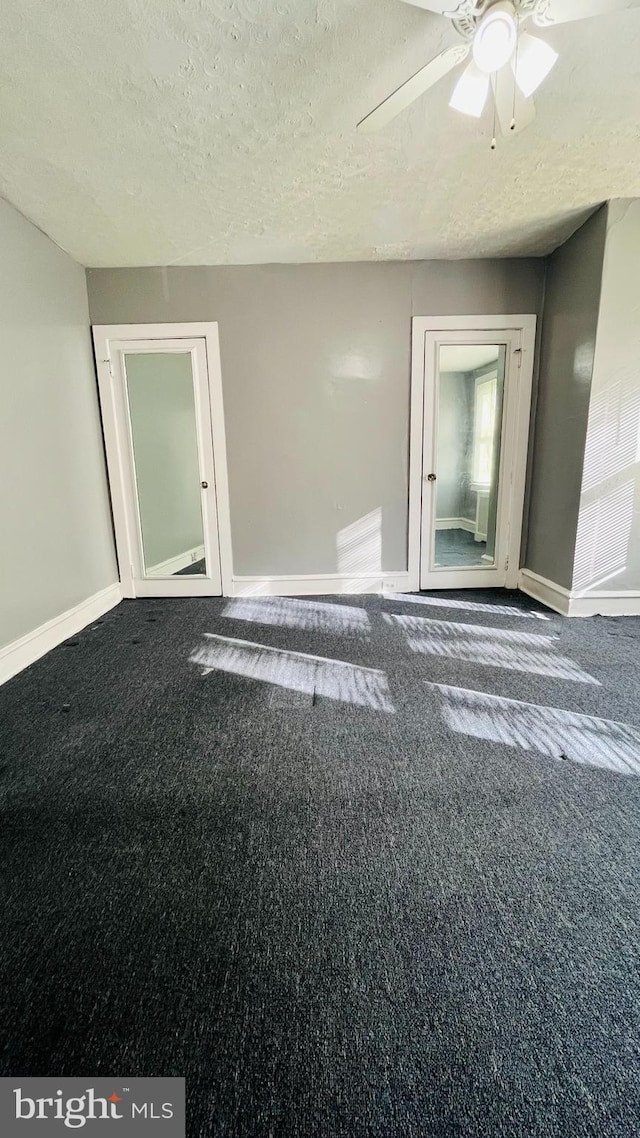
x,y
484,415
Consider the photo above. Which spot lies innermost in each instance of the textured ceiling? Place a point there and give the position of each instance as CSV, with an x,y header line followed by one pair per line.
x,y
139,132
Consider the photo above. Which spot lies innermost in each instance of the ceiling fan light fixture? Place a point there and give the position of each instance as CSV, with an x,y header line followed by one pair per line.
x,y
535,59
495,39
470,92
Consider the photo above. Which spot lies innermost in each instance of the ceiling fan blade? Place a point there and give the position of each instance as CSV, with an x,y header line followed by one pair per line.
x,y
413,88
520,114
470,92
564,11
443,7
533,62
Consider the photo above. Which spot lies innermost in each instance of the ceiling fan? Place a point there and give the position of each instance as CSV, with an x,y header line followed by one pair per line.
x,y
505,59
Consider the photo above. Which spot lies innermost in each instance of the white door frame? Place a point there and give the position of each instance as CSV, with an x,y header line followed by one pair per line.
x,y
516,418
201,340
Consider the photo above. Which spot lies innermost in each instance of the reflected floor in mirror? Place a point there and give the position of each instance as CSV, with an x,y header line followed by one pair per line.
x,y
196,569
354,866
457,548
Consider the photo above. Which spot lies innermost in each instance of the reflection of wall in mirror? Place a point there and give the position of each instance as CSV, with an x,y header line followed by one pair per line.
x,y
161,402
454,499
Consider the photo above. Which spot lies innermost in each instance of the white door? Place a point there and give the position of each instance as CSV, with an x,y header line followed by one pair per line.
x,y
475,422
167,473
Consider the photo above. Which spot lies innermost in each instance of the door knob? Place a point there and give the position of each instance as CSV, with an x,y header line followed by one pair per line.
x,y
204,485
431,477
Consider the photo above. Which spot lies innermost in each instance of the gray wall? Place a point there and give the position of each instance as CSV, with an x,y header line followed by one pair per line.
x,y
55,524
316,368
163,424
569,323
608,541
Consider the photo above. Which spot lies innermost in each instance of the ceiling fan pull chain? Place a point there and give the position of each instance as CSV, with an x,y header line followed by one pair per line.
x,y
493,139
512,125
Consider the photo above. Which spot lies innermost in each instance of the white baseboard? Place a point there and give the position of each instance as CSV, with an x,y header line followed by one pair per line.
x,y
331,584
567,603
547,592
456,523
175,564
624,603
20,653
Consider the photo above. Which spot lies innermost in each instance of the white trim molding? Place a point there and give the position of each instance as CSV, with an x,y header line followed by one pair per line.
x,y
21,653
550,594
624,603
330,584
567,603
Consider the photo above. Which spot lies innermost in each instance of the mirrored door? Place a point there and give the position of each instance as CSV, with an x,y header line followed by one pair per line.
x,y
468,414
158,430
159,388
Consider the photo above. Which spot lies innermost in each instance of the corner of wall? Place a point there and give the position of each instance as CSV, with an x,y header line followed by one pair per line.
x,y
607,553
59,534
572,288
532,418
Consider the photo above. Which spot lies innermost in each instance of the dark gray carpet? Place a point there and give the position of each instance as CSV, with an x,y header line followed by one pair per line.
x,y
458,547
395,895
